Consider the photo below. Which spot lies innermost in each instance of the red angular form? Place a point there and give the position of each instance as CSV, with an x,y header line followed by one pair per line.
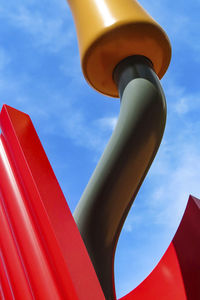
x,y
177,275
42,253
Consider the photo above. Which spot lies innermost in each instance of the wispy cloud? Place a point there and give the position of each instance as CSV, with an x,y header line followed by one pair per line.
x,y
71,122
4,59
170,191
45,30
183,26
107,123
4,62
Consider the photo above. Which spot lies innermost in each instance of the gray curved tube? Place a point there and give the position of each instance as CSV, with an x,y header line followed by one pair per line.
x,y
105,203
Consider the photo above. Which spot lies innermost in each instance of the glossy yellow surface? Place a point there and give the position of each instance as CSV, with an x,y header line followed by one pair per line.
x,y
111,30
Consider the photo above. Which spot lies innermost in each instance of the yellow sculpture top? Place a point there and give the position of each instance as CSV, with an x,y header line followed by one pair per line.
x,y
111,30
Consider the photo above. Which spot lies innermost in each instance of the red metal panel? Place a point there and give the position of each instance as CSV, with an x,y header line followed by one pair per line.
x,y
177,275
42,253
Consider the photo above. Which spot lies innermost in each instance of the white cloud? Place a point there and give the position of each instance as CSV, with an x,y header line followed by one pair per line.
x,y
133,222
85,134
169,198
5,62
181,106
71,122
181,100
4,59
107,123
181,25
45,30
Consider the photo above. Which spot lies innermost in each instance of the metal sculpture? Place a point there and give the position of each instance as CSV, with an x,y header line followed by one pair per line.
x,y
43,253
105,203
122,54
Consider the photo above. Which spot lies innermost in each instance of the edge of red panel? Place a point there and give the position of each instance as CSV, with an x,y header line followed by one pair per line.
x,y
47,203
177,275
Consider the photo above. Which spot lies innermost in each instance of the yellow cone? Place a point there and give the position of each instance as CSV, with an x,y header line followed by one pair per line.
x,y
111,30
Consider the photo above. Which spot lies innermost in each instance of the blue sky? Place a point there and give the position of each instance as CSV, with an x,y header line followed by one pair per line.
x,y
40,74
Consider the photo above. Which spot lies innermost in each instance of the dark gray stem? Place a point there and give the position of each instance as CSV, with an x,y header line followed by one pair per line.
x,y
102,210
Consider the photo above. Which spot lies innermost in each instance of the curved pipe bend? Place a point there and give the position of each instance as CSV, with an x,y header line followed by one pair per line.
x,y
102,210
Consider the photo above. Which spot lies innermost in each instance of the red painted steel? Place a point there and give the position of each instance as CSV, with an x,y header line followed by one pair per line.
x,y
42,253
177,275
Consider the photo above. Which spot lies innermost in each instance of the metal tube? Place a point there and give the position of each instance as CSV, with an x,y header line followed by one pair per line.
x,y
105,203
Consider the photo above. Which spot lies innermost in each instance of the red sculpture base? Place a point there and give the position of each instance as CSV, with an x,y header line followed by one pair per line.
x,y
42,254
